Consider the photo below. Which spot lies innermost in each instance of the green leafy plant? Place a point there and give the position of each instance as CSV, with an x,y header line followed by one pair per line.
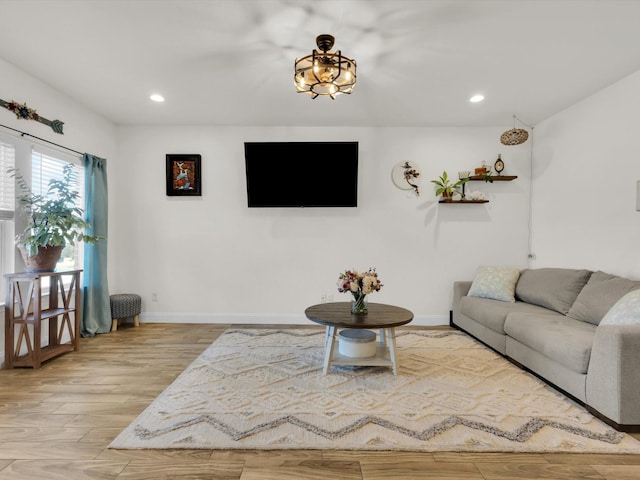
x,y
486,176
446,187
53,219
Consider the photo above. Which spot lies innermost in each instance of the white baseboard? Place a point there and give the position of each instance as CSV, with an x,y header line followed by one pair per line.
x,y
261,318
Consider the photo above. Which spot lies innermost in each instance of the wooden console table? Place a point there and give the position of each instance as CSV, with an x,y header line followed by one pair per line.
x,y
24,307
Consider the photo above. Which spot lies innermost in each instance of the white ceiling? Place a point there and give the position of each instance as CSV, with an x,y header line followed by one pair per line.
x,y
230,62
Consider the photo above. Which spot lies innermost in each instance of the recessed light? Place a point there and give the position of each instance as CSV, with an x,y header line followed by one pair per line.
x,y
476,98
157,98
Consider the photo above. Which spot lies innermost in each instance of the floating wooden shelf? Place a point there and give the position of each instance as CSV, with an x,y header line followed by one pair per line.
x,y
463,201
495,178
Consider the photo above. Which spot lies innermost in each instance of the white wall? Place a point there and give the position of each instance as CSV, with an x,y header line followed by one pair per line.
x,y
84,130
585,172
213,259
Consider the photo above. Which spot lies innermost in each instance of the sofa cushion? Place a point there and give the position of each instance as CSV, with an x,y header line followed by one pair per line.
x,y
553,288
600,293
626,311
562,339
497,283
492,313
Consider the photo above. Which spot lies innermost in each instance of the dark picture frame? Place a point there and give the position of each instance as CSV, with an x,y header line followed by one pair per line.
x,y
183,175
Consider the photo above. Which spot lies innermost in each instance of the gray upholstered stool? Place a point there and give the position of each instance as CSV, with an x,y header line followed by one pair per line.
x,y
125,305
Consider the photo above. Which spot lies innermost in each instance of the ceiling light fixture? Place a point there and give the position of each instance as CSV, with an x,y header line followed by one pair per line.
x,y
157,97
476,98
515,136
325,74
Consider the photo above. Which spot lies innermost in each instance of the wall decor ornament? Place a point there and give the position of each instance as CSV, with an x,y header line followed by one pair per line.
x,y
464,175
406,176
25,113
498,166
183,175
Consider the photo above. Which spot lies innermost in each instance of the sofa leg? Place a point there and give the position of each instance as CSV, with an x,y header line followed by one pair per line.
x,y
136,320
114,325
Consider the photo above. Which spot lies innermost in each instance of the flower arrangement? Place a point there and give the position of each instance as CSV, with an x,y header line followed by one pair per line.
x,y
360,284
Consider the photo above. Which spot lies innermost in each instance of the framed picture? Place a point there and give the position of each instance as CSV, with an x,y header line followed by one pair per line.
x,y
183,175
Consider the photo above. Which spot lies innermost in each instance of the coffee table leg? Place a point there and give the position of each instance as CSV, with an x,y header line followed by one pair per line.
x,y
383,338
329,344
391,332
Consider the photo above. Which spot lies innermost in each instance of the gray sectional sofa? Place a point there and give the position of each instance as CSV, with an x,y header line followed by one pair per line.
x,y
551,326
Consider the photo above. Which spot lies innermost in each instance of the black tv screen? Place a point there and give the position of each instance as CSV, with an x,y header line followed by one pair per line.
x,y
301,174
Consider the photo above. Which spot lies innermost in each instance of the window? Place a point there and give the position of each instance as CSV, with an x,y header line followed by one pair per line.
x,y
7,183
38,164
7,206
45,167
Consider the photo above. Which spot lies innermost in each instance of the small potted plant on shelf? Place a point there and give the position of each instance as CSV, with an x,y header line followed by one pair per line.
x,y
447,188
53,221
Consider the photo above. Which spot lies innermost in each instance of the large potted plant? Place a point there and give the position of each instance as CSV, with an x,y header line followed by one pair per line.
x,y
53,221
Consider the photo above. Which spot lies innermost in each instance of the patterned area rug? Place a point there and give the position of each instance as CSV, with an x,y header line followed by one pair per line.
x,y
264,389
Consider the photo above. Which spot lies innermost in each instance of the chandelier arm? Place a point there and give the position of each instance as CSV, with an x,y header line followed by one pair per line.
x,y
313,65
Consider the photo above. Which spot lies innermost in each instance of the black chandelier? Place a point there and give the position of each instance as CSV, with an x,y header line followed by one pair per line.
x,y
325,73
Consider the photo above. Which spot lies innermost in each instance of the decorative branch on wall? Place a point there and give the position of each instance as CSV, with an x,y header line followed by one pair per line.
x,y
25,113
405,175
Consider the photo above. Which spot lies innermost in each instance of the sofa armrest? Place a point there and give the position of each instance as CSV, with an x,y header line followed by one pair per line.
x,y
613,378
460,289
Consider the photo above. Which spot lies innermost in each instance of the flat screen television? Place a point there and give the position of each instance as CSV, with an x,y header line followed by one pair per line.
x,y
301,174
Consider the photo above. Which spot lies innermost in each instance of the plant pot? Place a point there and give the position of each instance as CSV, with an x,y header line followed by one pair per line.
x,y
446,196
43,261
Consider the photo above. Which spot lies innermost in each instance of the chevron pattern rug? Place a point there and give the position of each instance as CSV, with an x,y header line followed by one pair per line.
x,y
264,389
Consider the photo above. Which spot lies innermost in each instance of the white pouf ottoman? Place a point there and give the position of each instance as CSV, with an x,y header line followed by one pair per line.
x,y
357,343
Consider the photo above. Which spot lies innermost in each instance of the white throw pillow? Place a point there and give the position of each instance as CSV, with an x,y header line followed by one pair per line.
x,y
626,311
497,283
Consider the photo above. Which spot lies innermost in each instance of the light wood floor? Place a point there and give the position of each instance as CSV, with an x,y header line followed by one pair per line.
x,y
56,423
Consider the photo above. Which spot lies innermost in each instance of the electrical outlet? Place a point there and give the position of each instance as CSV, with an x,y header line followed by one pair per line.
x,y
531,256
154,297
326,297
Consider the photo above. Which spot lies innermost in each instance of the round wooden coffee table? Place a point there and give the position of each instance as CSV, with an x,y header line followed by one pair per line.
x,y
336,315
